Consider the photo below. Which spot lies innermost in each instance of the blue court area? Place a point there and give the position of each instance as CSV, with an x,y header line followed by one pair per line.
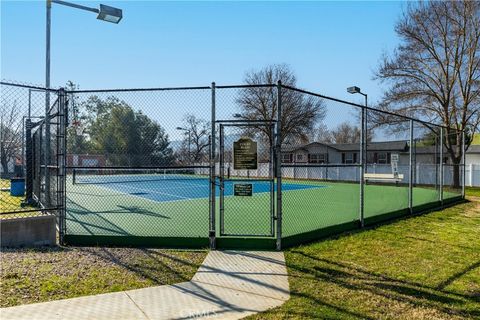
x,y
181,190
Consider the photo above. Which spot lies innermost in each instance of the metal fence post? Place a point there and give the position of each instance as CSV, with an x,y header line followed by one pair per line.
x,y
29,161
363,157
441,166
278,163
464,174
221,177
410,170
61,159
212,224
415,162
47,103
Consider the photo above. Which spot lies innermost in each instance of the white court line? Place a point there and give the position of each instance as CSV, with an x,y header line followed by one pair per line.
x,y
162,193
123,193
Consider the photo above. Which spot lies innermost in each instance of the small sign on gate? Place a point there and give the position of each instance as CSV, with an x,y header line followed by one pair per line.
x,y
245,154
243,189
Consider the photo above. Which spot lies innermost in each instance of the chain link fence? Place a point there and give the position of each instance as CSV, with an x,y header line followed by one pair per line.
x,y
221,166
30,172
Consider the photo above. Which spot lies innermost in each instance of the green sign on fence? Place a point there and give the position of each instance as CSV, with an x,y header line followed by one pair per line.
x,y
245,154
243,189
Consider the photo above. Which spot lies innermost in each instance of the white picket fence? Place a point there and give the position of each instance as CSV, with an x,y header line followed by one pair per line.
x,y
472,175
425,174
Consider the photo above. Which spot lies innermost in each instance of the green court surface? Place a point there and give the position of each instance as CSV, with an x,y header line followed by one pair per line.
x,y
100,211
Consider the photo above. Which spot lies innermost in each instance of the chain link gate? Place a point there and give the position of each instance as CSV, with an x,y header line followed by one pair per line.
x,y
246,178
46,173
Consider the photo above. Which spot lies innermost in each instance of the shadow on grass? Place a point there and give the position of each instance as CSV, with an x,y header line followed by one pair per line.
x,y
458,275
359,280
160,262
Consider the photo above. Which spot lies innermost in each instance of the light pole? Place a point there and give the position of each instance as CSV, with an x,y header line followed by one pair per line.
x,y
189,132
363,151
105,13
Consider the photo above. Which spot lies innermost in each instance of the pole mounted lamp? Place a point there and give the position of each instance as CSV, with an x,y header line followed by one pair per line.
x,y
105,13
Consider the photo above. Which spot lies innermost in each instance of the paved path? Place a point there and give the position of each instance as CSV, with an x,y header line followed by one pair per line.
x,y
228,285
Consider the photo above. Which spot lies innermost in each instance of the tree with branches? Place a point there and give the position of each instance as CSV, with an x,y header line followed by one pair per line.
x,y
434,74
10,135
343,133
300,112
196,139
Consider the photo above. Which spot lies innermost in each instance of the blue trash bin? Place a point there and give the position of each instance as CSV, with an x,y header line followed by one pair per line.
x,y
17,187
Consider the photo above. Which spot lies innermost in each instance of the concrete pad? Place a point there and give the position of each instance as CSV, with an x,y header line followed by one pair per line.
x,y
228,285
106,306
260,273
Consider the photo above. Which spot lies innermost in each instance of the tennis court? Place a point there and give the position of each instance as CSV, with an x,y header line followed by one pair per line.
x,y
202,166
177,205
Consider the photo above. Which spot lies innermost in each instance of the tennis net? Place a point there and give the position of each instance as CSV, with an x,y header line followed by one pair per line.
x,y
128,175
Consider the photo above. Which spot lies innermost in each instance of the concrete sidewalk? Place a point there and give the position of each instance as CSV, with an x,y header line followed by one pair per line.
x,y
228,285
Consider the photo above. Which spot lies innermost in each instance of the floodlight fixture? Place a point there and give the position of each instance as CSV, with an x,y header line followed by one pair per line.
x,y
109,14
353,90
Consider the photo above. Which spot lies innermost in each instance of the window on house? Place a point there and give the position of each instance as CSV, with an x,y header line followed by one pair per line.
x,y
318,158
348,157
286,157
383,158
299,157
370,157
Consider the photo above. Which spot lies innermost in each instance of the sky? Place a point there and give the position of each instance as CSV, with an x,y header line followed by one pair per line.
x,y
329,45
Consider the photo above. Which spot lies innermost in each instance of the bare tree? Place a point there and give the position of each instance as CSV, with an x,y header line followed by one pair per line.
x,y
196,141
343,133
10,135
347,133
321,134
300,112
434,73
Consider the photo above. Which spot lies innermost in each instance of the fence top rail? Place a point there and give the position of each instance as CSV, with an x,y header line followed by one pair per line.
x,y
365,107
27,86
138,89
172,88
267,85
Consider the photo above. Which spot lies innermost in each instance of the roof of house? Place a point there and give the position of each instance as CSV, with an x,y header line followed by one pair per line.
x,y
399,146
373,146
342,147
290,148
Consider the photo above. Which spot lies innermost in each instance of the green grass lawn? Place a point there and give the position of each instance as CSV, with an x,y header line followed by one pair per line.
x,y
472,191
425,267
11,203
8,202
38,275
